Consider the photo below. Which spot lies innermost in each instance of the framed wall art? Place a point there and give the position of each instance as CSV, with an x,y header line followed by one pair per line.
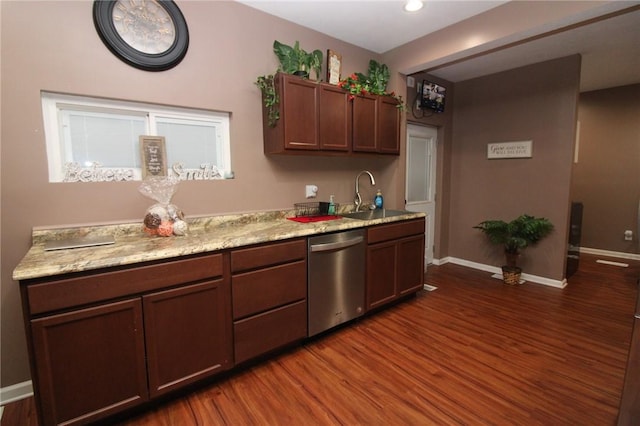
x,y
518,149
334,66
154,156
151,35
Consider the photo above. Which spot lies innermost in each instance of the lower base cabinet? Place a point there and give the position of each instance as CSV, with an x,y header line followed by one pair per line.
x,y
187,334
269,287
106,341
395,261
90,363
140,333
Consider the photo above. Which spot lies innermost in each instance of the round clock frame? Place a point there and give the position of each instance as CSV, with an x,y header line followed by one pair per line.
x,y
127,51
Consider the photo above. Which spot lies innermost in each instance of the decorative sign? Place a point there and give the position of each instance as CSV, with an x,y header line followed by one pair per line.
x,y
334,66
74,173
205,172
154,156
520,149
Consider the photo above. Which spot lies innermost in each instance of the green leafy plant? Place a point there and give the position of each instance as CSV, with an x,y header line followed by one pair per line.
x,y
270,98
378,77
375,83
294,60
516,235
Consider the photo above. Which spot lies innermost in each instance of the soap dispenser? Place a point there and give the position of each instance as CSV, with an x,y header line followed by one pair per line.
x,y
332,206
378,201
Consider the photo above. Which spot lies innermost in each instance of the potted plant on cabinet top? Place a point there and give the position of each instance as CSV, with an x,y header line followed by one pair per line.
x,y
516,235
294,60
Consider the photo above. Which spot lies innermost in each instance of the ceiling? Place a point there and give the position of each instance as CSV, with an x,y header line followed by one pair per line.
x,y
610,48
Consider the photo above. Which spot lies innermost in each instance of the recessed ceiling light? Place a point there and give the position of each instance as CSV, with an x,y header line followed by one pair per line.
x,y
413,5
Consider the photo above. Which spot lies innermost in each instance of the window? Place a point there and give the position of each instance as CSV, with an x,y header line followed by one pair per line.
x,y
91,139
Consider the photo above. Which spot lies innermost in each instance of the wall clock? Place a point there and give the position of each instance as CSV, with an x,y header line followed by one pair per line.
x,y
151,35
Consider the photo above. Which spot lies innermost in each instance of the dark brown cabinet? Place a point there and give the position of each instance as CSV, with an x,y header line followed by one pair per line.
x,y
319,118
388,126
395,261
89,363
365,115
299,116
269,285
187,334
334,119
106,341
376,124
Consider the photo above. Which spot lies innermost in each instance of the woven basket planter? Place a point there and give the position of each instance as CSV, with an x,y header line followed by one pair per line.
x,y
511,275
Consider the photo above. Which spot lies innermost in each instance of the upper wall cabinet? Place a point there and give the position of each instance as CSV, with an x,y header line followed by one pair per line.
x,y
319,118
376,124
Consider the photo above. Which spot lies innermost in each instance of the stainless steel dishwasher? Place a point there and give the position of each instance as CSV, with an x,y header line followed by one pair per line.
x,y
336,277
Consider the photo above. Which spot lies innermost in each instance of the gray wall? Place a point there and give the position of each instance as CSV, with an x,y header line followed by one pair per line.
x,y
537,103
606,178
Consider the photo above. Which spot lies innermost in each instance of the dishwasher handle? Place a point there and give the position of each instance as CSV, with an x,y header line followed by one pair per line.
x,y
336,246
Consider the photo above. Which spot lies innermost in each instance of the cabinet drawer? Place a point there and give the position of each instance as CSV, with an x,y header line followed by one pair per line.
x,y
65,293
264,289
268,255
270,330
394,231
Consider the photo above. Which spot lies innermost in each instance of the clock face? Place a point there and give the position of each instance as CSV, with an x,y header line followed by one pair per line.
x,y
144,25
148,34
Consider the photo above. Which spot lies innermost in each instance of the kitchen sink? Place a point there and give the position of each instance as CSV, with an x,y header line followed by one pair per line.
x,y
374,214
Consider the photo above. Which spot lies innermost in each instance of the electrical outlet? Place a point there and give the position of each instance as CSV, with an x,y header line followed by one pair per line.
x,y
628,235
311,191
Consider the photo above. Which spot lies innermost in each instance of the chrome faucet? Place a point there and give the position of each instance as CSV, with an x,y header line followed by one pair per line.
x,y
358,199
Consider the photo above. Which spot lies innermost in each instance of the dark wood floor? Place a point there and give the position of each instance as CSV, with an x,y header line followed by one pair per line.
x,y
474,351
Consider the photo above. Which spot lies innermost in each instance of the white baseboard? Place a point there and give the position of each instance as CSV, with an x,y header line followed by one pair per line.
x,y
496,270
16,392
608,253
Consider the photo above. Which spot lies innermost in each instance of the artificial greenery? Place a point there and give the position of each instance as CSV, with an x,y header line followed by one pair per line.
x,y
294,59
270,97
516,235
375,82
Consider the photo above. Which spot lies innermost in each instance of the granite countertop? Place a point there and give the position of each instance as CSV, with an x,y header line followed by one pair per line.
x,y
206,234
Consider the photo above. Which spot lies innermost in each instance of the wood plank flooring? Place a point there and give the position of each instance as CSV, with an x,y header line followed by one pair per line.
x,y
474,351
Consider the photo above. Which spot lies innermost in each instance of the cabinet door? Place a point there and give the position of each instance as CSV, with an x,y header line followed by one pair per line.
x,y
90,363
381,273
388,125
364,123
188,334
334,119
299,113
410,264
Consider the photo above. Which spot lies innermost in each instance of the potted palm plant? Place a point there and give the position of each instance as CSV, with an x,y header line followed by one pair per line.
x,y
515,236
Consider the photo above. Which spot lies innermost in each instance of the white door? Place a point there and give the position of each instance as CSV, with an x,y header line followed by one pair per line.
x,y
420,194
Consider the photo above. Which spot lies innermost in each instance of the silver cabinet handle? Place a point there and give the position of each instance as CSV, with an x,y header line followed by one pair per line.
x,y
336,246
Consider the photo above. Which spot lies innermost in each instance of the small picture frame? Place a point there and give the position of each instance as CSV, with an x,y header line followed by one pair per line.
x,y
154,156
334,67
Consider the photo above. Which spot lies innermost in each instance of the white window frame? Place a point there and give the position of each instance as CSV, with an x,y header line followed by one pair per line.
x,y
52,103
